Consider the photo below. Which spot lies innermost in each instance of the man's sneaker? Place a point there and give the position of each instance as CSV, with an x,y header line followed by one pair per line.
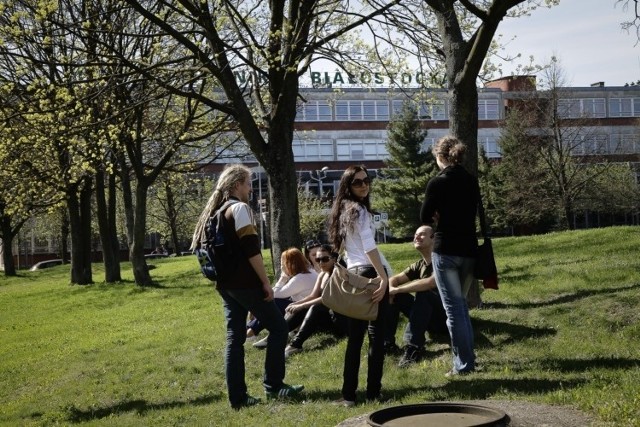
x,y
285,391
249,401
262,343
454,373
343,402
291,350
391,349
412,354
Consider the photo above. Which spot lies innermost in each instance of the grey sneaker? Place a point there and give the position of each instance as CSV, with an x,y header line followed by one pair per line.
x,y
262,343
291,350
412,354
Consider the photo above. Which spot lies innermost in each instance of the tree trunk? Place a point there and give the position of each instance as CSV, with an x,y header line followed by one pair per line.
x,y
64,236
284,219
79,205
172,216
463,120
136,250
7,246
110,247
127,197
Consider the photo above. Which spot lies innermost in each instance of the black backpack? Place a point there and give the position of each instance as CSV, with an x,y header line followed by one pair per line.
x,y
214,256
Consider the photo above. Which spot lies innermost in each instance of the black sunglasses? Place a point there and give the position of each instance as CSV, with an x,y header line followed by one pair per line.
x,y
312,244
361,182
323,259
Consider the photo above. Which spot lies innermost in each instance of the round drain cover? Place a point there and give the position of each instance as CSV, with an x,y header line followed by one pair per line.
x,y
442,414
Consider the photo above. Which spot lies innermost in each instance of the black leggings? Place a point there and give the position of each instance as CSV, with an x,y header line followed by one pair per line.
x,y
318,318
355,334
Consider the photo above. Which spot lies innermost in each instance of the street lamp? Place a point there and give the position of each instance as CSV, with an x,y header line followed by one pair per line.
x,y
322,174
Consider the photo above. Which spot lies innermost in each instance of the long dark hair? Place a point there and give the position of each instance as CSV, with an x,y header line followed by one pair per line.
x,y
344,211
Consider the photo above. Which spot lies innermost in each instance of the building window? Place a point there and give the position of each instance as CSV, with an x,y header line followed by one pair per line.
x,y
577,108
491,147
569,108
594,145
624,144
428,110
488,109
361,149
314,111
309,150
624,107
362,110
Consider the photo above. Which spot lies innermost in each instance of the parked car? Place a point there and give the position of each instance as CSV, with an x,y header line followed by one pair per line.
x,y
46,264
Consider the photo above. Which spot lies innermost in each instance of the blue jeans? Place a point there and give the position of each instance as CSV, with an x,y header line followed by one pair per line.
x,y
237,304
427,314
454,275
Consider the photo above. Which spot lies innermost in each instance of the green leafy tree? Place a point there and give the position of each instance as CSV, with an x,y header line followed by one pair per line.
x,y
615,191
313,215
524,195
401,191
175,203
255,52
551,158
453,40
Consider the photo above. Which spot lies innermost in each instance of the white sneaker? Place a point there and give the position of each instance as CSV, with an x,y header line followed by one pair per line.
x,y
343,402
262,343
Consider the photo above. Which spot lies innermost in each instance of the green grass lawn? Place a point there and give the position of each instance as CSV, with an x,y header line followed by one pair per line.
x,y
563,329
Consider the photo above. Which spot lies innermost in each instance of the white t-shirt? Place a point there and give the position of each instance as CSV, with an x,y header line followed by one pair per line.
x,y
361,240
296,287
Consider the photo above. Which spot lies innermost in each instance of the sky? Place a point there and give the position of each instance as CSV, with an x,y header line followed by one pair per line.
x,y
585,35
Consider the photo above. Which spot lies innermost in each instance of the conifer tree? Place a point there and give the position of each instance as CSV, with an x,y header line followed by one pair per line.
x,y
410,165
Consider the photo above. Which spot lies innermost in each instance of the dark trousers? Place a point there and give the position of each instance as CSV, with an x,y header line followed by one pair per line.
x,y
319,318
257,326
427,314
237,303
402,303
355,338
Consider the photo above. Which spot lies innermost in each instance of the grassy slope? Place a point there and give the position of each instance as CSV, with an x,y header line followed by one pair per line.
x,y
563,329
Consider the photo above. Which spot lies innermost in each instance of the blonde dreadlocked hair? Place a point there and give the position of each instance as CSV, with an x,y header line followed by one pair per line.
x,y
227,180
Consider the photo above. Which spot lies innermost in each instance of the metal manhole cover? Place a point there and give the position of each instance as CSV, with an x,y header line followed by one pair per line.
x,y
440,414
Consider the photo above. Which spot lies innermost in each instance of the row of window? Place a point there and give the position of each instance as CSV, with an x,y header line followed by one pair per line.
x,y
382,110
375,149
488,109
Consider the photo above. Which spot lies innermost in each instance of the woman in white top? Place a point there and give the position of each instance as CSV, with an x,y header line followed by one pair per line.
x,y
295,283
351,228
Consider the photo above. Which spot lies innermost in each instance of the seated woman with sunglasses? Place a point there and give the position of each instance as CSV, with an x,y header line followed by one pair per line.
x,y
315,316
295,283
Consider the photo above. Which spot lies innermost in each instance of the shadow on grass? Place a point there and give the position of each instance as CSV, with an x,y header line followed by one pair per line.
x,y
562,299
140,406
467,388
481,388
581,365
486,328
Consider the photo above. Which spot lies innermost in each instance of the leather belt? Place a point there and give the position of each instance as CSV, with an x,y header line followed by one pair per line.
x,y
358,268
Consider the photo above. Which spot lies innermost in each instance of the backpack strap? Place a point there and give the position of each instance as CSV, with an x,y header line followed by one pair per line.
x,y
224,206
